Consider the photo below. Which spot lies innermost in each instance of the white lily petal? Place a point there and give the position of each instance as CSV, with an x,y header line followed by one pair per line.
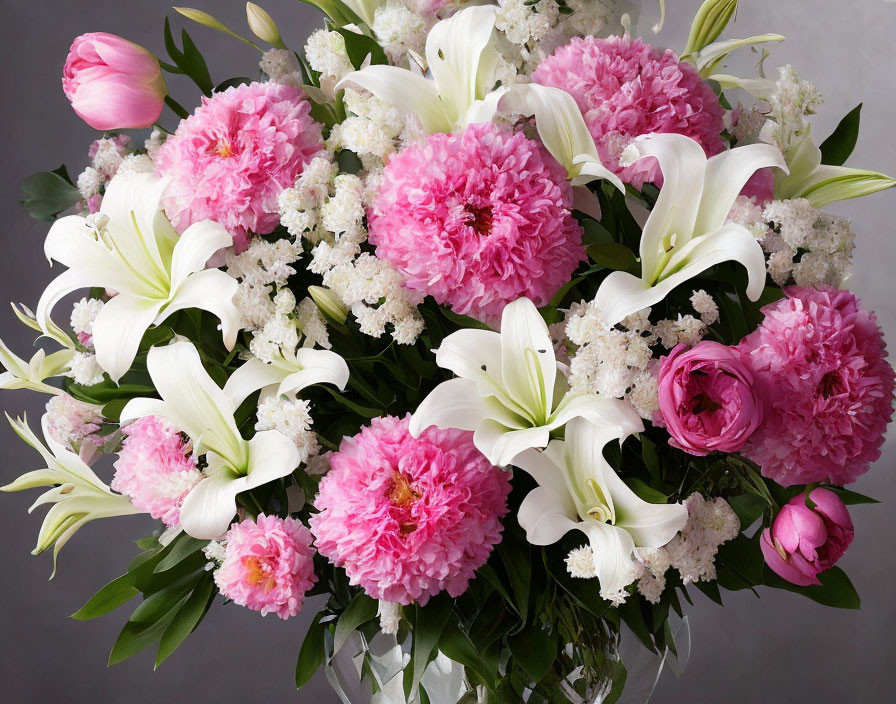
x,y
528,363
210,506
622,294
710,56
501,445
559,121
211,290
600,411
316,367
195,247
61,286
831,184
546,516
591,169
142,407
72,243
272,455
613,562
726,175
542,467
406,91
650,525
452,404
462,58
732,242
118,329
250,377
683,163
484,110
473,354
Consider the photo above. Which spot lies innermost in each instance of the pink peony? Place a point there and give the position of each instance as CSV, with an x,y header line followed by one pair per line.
x,y
626,88
113,84
155,468
706,398
268,565
477,220
230,160
75,424
820,366
803,542
408,518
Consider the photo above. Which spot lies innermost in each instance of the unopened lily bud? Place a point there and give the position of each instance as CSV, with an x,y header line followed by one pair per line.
x,y
263,26
202,18
710,21
328,303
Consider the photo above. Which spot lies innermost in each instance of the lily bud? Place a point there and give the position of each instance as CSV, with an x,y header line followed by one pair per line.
x,y
263,26
710,21
328,303
202,18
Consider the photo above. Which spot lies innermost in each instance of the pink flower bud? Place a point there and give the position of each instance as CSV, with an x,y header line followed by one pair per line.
x,y
706,399
113,83
803,542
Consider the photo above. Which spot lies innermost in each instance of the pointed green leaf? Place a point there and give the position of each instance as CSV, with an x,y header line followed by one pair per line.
x,y
535,650
428,626
311,655
109,598
360,611
836,149
187,618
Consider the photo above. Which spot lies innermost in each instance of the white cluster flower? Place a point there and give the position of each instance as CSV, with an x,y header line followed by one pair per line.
x,y
70,421
525,22
399,29
90,182
84,314
745,124
136,164
706,307
711,522
613,362
299,206
791,102
372,130
279,337
318,465
312,324
85,370
154,143
326,53
262,269
747,213
806,245
580,563
389,614
684,329
654,563
215,552
108,154
281,66
292,418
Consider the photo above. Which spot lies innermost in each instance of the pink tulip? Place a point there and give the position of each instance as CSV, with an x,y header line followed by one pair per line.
x,y
706,398
113,83
803,542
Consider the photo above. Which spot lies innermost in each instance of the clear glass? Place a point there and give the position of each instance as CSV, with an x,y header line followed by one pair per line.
x,y
370,672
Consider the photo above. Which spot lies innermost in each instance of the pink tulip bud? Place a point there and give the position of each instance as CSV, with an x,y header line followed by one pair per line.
x,y
803,542
113,83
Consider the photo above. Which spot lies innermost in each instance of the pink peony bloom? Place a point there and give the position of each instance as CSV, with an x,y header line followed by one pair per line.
x,y
155,468
229,161
408,518
706,398
803,542
477,220
626,88
74,424
820,366
268,565
112,83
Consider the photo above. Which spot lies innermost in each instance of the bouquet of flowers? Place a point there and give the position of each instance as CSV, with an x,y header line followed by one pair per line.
x,y
491,323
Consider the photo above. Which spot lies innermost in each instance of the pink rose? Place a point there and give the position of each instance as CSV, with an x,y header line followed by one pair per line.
x,y
803,542
113,83
706,398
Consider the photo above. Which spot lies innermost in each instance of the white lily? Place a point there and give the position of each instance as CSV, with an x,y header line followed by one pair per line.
x,y
579,490
822,184
462,59
562,130
194,404
78,495
20,374
365,9
133,249
287,374
509,390
686,232
707,59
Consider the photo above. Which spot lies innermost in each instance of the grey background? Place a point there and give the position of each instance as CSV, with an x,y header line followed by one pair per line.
x,y
779,648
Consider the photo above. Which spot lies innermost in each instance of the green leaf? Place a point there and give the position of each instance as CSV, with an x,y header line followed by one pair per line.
x,y
615,256
595,233
187,618
337,11
232,83
176,107
359,46
645,491
109,598
311,655
739,563
158,605
134,637
183,547
363,411
710,589
851,498
360,611
49,193
748,507
517,558
535,649
428,626
455,644
194,65
835,589
837,148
